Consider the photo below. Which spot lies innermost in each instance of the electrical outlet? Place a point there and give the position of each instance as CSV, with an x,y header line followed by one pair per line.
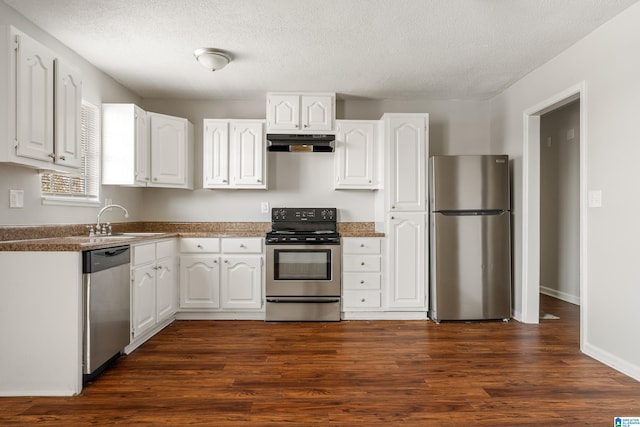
x,y
264,206
108,202
595,199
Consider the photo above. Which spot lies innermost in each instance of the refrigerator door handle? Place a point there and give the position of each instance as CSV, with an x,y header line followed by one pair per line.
x,y
473,213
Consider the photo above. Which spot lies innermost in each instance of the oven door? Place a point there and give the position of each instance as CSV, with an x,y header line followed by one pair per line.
x,y
303,270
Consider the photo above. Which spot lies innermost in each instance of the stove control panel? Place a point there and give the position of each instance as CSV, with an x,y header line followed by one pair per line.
x,y
303,214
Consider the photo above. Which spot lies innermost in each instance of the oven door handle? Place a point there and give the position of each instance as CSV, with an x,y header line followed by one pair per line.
x,y
304,300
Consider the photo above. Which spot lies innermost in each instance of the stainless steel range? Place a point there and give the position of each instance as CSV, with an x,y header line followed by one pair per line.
x,y
303,265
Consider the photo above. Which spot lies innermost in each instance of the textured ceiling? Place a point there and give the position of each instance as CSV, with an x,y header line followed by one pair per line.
x,y
381,49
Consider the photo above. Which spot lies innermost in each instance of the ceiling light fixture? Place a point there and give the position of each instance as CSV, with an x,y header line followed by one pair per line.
x,y
212,59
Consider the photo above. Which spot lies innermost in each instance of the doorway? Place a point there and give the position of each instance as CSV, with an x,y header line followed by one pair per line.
x,y
530,291
560,203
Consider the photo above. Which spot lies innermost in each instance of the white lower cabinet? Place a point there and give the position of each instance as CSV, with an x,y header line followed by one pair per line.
x,y
361,274
407,260
221,275
153,288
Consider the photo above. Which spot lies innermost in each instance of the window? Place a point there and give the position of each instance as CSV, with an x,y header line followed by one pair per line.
x,y
82,188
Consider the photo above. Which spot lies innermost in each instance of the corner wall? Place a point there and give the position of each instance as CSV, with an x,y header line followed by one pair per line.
x,y
607,61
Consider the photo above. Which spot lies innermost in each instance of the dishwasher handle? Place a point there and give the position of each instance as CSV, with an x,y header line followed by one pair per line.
x,y
102,259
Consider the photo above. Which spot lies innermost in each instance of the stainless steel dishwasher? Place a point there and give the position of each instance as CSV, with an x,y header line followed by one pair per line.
x,y
106,306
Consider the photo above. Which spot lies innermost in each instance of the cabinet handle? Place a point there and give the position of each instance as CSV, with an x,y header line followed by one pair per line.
x,y
63,158
51,156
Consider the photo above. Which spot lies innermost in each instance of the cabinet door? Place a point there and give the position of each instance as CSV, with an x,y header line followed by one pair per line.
x,y
199,282
241,282
407,259
215,153
354,155
142,144
248,154
283,112
316,112
144,298
168,150
68,95
34,99
166,292
407,157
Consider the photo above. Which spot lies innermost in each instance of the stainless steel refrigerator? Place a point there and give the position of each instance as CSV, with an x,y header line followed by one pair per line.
x,y
470,238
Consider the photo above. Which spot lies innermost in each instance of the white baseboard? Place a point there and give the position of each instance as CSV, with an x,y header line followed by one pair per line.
x,y
384,315
220,315
612,361
573,299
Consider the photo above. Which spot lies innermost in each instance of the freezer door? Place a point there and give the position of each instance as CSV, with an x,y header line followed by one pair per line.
x,y
469,183
470,267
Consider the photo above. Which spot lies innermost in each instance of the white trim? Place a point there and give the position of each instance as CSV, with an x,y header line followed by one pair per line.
x,y
384,315
530,204
572,299
612,361
70,201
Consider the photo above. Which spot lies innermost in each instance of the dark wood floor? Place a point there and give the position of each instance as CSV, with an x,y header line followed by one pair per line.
x,y
415,373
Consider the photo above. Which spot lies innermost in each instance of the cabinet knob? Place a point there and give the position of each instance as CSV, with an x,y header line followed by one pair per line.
x,y
393,217
258,180
362,263
63,158
155,179
51,156
362,245
226,261
393,207
363,300
362,282
306,126
199,246
224,180
215,261
242,245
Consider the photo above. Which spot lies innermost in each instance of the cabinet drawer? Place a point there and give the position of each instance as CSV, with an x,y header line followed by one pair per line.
x,y
141,254
200,244
242,246
361,281
361,245
165,249
360,263
361,299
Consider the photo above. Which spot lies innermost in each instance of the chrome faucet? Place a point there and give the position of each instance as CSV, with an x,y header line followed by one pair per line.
x,y
101,229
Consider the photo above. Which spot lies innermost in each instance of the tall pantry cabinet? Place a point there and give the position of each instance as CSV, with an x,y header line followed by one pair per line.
x,y
402,212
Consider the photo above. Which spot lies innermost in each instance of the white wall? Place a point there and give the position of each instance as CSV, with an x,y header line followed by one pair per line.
x,y
306,179
96,89
560,203
608,62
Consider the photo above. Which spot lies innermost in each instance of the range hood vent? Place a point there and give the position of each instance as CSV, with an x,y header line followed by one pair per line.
x,y
298,142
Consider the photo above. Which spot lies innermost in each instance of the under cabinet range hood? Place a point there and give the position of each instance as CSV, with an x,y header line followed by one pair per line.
x,y
299,142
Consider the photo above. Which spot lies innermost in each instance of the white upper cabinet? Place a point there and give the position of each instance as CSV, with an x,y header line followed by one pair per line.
x,y
68,97
355,155
234,154
215,152
301,112
125,145
170,151
38,89
145,149
248,152
406,161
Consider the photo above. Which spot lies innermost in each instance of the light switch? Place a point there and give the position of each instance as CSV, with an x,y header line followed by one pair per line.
x,y
16,198
595,199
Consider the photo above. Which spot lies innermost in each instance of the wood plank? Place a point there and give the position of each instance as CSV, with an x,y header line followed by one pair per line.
x,y
229,373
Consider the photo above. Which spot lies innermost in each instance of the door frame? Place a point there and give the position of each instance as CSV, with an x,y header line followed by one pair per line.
x,y
530,302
